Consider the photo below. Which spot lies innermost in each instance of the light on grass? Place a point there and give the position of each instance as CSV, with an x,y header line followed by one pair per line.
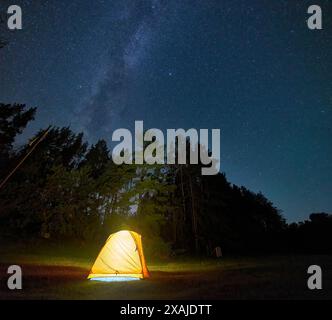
x,y
114,279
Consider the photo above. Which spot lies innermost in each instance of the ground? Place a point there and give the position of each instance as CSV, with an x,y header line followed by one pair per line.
x,y
53,272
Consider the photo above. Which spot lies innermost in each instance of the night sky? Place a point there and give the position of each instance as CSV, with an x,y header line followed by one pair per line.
x,y
251,68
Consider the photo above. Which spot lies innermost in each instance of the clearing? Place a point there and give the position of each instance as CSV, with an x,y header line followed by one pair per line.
x,y
60,273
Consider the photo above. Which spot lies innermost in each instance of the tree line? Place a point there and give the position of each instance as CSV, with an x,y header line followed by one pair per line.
x,y
68,190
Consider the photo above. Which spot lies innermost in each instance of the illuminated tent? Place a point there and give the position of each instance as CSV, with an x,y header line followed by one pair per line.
x,y
121,258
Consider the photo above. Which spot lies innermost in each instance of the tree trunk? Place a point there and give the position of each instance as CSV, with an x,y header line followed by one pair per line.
x,y
194,215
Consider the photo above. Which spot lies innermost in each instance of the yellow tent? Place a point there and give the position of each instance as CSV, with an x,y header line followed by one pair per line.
x,y
121,258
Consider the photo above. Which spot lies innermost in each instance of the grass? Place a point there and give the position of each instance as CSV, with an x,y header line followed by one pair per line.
x,y
56,272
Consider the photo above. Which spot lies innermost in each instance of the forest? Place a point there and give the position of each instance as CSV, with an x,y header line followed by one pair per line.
x,y
70,191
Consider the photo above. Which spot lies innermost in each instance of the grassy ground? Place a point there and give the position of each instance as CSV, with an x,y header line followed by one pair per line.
x,y
60,273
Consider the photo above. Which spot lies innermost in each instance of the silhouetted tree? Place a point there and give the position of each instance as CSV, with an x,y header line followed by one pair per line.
x,y
97,158
310,236
13,119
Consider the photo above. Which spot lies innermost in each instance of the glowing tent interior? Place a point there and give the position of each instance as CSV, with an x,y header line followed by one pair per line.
x,y
121,258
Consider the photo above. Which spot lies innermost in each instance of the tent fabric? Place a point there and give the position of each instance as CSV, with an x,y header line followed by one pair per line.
x,y
121,256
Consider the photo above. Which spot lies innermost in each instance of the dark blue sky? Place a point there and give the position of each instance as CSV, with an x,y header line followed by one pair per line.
x,y
251,68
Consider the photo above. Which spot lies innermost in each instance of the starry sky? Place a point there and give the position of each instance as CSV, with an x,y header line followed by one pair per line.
x,y
251,68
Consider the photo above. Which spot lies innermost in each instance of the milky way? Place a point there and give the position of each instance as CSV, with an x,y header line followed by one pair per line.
x,y
251,68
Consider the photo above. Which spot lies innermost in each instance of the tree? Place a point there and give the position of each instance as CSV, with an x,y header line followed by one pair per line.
x,y
21,201
69,205
13,119
97,158
149,194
